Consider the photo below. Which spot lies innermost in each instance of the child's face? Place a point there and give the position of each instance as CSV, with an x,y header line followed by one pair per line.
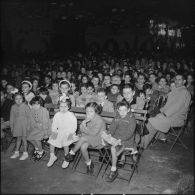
x,y
64,107
10,88
142,95
128,94
172,86
64,88
162,82
123,110
107,80
35,83
101,96
18,99
83,90
36,106
84,80
127,78
73,86
25,88
114,90
55,86
90,90
148,91
90,113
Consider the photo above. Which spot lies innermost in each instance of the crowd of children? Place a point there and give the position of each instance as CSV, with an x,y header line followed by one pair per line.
x,y
97,84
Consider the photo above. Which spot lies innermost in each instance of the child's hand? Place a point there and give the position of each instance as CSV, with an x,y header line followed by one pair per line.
x,y
70,136
54,135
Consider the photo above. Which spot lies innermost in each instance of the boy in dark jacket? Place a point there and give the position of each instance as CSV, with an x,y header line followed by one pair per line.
x,y
122,127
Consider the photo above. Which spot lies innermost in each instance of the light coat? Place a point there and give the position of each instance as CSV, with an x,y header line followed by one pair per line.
x,y
175,109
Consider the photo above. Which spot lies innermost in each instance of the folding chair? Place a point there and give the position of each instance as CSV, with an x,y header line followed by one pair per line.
x,y
141,117
126,172
95,152
175,134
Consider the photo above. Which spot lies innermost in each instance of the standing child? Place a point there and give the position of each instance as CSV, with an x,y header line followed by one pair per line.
x,y
91,129
26,90
39,127
64,127
64,86
123,128
19,121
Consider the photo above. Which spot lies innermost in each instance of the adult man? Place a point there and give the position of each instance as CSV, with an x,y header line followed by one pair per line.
x,y
173,114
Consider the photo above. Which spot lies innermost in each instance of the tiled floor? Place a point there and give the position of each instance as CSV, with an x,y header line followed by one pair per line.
x,y
158,170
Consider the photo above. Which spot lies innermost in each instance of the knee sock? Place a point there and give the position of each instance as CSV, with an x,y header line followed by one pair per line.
x,y
88,163
113,168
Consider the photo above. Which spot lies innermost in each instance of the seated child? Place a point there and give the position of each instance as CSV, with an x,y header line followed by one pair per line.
x,y
64,126
39,126
81,101
122,127
114,94
91,129
54,92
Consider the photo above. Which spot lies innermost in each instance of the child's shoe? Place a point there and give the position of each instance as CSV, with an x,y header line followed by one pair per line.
x,y
52,159
65,164
15,155
39,155
112,176
24,156
69,157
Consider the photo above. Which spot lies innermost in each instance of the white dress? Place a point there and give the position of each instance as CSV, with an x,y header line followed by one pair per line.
x,y
64,124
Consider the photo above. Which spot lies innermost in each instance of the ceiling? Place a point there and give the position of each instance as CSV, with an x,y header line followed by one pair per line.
x,y
119,13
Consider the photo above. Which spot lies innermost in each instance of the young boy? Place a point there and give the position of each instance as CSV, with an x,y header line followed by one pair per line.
x,y
122,127
114,94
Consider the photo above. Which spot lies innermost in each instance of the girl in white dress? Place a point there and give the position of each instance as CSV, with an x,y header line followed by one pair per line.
x,y
64,128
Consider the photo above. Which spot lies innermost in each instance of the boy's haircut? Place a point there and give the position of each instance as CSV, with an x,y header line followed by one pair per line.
x,y
37,100
128,72
123,103
67,101
90,84
101,90
106,75
44,91
55,81
21,94
147,86
114,85
97,108
83,85
129,86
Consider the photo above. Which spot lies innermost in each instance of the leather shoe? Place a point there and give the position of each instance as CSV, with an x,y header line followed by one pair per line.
x,y
112,176
69,157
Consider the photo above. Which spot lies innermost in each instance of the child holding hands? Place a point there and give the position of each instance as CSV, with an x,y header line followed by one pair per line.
x,y
64,128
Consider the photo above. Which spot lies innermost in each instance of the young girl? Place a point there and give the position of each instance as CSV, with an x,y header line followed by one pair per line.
x,y
19,121
81,101
26,90
39,127
64,127
91,129
64,86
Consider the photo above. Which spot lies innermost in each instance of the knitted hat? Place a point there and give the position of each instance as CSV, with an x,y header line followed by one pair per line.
x,y
65,81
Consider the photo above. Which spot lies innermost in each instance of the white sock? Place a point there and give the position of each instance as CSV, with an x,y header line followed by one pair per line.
x,y
71,152
88,163
113,168
52,154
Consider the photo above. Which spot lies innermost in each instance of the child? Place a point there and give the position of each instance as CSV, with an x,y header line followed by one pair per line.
x,y
107,106
91,94
64,86
81,101
39,127
64,127
44,93
54,92
140,100
26,90
74,90
123,128
91,129
19,121
114,94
